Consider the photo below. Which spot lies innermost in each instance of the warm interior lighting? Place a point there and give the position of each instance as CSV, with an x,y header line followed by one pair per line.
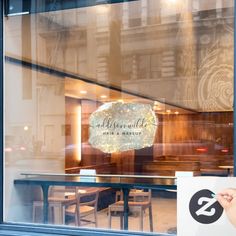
x,y
102,9
26,128
78,134
83,92
120,100
201,149
103,96
8,149
225,150
168,111
157,108
176,112
171,2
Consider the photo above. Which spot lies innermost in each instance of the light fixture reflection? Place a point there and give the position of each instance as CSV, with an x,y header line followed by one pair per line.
x,y
102,9
83,92
103,96
157,108
171,2
78,134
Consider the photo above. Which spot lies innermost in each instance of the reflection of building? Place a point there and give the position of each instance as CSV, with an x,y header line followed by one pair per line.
x,y
65,64
142,42
173,55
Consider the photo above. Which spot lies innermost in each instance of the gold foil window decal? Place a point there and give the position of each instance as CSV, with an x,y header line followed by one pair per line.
x,y
118,127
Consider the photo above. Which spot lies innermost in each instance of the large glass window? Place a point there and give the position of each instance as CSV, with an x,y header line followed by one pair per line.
x,y
140,89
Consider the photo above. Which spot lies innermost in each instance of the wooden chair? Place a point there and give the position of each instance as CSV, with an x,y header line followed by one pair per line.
x,y
141,203
59,199
133,194
86,204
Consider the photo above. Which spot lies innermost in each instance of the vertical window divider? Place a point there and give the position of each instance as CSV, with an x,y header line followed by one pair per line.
x,y
1,109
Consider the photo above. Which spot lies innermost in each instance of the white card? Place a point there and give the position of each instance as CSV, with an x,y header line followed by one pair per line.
x,y
198,212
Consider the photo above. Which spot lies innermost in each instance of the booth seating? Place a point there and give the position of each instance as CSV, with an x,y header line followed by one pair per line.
x,y
207,164
169,168
100,168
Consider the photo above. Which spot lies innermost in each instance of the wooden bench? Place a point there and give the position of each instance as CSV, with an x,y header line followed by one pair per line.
x,y
209,164
170,167
106,168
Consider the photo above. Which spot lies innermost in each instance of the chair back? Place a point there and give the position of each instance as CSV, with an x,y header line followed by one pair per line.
x,y
87,197
61,191
137,195
142,196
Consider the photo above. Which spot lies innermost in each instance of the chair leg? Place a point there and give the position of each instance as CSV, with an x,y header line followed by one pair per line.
x,y
51,215
77,220
63,215
95,218
150,218
60,220
141,219
33,213
109,217
122,220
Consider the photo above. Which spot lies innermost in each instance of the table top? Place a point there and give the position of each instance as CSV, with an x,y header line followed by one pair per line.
x,y
226,167
113,181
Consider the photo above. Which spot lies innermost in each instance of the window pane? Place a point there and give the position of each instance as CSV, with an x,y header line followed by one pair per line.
x,y
140,88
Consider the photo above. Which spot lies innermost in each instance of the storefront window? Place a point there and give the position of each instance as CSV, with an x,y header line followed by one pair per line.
x,y
136,92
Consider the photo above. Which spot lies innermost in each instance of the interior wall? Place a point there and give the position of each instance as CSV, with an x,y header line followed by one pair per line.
x,y
125,162
72,132
187,134
89,156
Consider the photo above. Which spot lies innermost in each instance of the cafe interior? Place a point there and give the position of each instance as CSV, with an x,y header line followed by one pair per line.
x,y
62,66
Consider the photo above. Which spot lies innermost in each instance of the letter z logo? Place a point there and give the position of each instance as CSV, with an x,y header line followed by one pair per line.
x,y
204,208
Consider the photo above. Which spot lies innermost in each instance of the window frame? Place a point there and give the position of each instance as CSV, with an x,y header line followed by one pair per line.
x,y
22,229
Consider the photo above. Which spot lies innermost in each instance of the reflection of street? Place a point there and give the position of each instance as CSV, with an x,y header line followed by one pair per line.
x,y
19,150
192,147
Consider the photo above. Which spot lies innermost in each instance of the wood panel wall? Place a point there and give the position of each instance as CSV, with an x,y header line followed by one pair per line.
x,y
90,155
186,134
177,136
71,128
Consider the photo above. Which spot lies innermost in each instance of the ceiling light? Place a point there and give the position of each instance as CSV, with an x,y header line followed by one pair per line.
x,y
102,9
120,100
26,128
103,96
83,92
176,112
168,111
169,2
157,108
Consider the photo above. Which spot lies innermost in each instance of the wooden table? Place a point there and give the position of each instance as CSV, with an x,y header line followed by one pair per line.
x,y
125,183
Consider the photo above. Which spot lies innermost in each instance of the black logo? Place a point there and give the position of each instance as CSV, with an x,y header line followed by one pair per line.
x,y
204,208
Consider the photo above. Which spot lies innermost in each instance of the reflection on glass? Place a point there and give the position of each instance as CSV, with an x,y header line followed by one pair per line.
x,y
61,66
